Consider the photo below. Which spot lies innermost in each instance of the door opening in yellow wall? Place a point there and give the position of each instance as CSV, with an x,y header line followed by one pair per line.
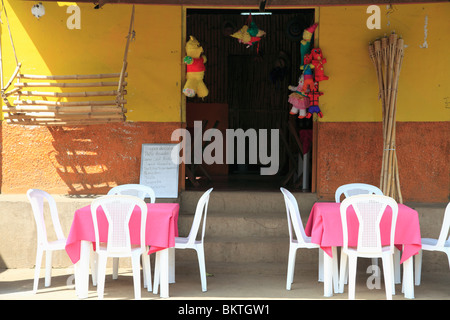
x,y
248,91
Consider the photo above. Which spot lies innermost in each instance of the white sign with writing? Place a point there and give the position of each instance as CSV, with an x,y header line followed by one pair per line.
x,y
158,171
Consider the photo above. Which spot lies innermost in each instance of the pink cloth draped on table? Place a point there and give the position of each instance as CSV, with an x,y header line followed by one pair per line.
x,y
161,228
324,226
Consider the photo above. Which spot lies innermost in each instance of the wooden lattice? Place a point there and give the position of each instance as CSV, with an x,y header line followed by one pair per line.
x,y
80,99
66,99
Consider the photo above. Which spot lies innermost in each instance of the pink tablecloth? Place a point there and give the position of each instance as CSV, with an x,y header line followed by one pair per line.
x,y
162,228
324,226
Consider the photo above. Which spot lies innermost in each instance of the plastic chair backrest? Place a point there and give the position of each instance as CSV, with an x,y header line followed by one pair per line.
x,y
354,189
369,210
37,197
138,190
293,216
445,228
200,210
118,210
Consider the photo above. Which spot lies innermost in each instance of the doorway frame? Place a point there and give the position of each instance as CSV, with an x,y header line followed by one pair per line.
x,y
316,126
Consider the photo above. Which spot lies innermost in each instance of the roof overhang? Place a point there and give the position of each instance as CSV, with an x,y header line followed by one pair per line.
x,y
256,3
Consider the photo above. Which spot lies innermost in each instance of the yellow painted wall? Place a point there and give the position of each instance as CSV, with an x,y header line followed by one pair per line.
x,y
351,93
47,46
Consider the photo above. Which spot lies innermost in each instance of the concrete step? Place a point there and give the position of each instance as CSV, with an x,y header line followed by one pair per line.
x,y
249,250
263,268
245,202
239,225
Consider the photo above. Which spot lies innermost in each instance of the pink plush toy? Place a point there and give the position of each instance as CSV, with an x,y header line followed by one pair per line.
x,y
298,99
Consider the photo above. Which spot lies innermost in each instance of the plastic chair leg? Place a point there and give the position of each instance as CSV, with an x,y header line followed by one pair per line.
x,y
115,268
343,274
392,266
146,271
156,276
352,262
397,265
101,272
387,270
136,265
418,267
93,262
335,271
202,267
37,268
321,253
48,268
291,267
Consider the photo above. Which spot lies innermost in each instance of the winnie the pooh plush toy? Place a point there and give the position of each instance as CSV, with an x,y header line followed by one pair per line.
x,y
195,70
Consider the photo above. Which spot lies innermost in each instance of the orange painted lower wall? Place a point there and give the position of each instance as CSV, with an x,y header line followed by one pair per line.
x,y
92,159
352,152
76,160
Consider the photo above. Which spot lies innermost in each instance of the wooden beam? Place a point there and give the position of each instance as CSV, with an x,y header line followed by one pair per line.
x,y
253,3
71,77
68,85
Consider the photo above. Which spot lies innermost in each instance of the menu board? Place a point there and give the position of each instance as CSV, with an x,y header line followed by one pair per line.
x,y
158,171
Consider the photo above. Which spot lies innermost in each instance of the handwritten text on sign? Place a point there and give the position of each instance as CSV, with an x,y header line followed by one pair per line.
x,y
158,171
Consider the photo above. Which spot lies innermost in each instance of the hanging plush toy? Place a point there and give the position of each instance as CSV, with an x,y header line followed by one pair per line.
x,y
305,44
195,70
314,102
298,99
318,61
307,68
249,33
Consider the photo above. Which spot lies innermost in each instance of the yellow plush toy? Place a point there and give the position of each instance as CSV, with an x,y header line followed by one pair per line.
x,y
195,70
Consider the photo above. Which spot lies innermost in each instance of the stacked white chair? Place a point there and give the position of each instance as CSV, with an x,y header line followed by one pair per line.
x,y
354,189
142,192
138,190
118,210
441,244
298,238
369,210
191,242
37,198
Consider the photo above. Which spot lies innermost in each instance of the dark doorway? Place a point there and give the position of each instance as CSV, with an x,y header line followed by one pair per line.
x,y
250,86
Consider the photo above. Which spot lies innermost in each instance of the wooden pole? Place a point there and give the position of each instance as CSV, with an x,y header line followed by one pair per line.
x,y
67,103
80,109
70,94
72,77
67,85
125,57
388,51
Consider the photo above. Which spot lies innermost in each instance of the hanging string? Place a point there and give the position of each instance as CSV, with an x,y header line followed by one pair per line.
x,y
10,34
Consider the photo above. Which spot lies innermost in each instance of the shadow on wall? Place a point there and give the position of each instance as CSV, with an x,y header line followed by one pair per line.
x,y
93,159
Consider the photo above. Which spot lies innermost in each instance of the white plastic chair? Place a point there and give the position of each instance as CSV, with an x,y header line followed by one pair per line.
x,y
37,198
118,210
298,239
369,210
138,190
354,189
191,242
141,191
441,244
